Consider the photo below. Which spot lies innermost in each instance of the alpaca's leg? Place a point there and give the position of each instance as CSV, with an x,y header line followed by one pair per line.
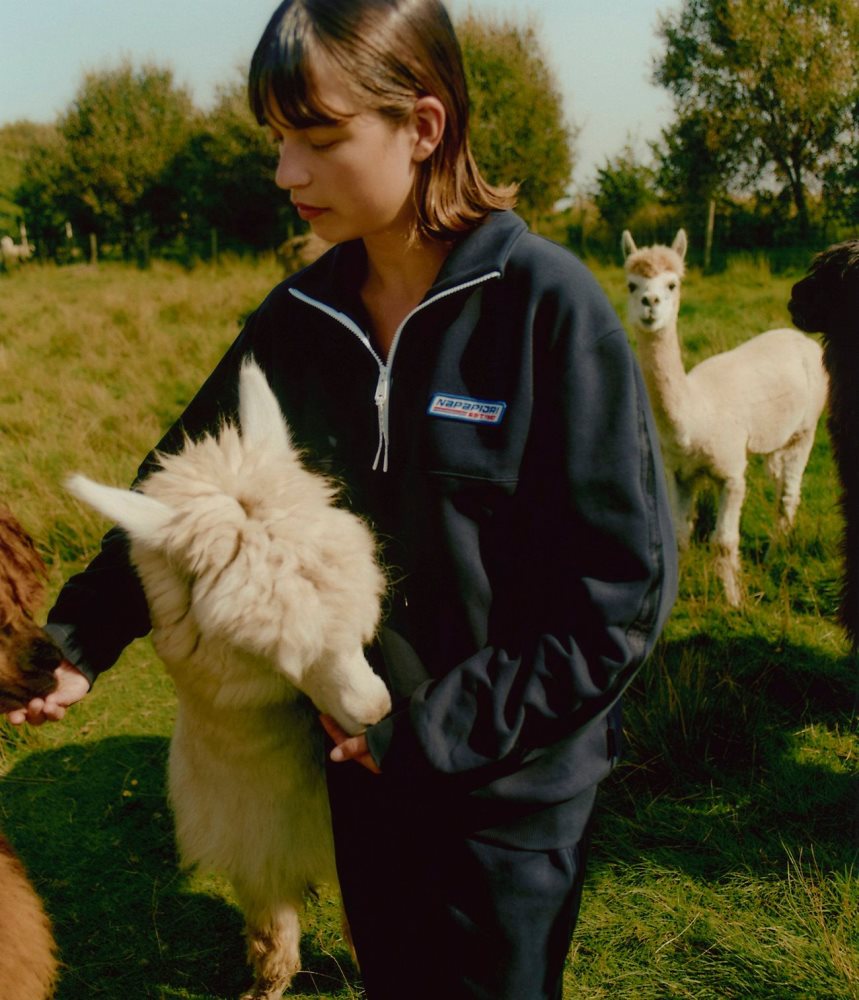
x,y
273,937
726,537
787,467
681,495
273,952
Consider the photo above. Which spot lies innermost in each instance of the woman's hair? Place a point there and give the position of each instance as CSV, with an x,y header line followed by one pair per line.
x,y
391,52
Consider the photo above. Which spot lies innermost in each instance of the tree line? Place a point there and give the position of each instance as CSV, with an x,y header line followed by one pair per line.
x,y
133,164
763,146
766,123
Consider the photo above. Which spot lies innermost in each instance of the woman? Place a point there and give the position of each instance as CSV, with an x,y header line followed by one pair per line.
x,y
472,388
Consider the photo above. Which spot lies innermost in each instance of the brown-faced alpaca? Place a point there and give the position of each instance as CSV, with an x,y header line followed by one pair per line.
x,y
826,301
262,593
764,397
28,963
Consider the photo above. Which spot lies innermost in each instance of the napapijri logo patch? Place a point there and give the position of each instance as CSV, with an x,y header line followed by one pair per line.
x,y
477,411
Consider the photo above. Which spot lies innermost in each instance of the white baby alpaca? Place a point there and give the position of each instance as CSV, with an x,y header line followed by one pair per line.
x,y
262,594
764,397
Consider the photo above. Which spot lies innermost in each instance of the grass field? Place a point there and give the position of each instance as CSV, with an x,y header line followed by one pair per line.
x,y
725,859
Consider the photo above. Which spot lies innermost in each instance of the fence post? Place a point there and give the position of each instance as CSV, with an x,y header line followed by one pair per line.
x,y
708,237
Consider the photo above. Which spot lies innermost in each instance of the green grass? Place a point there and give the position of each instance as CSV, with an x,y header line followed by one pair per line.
x,y
725,853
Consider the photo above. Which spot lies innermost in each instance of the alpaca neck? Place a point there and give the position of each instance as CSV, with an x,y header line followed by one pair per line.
x,y
665,378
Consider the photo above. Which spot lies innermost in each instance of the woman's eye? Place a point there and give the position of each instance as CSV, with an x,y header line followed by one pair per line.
x,y
322,140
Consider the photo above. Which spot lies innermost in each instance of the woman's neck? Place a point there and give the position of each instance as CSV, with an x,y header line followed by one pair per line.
x,y
399,274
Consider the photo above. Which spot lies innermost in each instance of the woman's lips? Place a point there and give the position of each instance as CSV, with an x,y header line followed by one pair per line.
x,y
308,212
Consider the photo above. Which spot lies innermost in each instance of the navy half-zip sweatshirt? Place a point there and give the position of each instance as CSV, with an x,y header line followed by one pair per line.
x,y
505,455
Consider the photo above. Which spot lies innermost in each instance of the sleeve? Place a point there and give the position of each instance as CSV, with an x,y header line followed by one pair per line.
x,y
596,584
101,610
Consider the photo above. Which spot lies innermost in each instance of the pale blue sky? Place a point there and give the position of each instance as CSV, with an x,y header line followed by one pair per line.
x,y
600,52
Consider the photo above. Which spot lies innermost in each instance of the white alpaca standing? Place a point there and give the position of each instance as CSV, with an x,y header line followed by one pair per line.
x,y
764,397
262,594
14,253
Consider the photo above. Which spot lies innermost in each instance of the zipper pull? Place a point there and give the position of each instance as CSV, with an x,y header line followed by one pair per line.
x,y
381,400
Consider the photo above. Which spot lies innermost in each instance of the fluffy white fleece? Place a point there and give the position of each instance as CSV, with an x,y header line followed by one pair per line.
x,y
262,594
764,397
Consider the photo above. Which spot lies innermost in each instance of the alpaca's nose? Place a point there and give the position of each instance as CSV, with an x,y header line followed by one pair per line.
x,y
650,300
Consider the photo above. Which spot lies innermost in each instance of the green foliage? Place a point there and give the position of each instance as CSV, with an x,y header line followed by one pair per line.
x,y
223,178
519,132
842,181
16,140
623,187
45,192
135,163
770,84
724,858
694,163
123,128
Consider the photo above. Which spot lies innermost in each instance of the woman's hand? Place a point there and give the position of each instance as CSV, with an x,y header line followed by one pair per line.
x,y
72,685
348,747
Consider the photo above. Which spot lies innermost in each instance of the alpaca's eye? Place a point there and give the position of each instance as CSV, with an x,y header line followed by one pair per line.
x,y
672,285
632,286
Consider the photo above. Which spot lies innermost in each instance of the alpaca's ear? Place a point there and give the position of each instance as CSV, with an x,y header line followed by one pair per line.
x,y
260,416
141,516
627,243
680,244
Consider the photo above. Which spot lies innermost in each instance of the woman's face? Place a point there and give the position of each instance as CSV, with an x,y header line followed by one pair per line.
x,y
353,179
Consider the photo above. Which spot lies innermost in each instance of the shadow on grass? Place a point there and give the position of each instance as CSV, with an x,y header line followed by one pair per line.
x,y
91,824
741,751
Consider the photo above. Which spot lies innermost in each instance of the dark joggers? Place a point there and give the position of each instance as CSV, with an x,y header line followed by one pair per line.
x,y
437,914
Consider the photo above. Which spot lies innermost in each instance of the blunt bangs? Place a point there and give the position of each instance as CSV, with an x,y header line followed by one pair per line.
x,y
280,80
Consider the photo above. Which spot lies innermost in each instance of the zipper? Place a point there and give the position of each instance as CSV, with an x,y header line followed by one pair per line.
x,y
382,396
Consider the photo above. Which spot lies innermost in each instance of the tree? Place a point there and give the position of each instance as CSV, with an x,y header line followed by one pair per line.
x,y
695,164
122,129
223,179
841,182
623,187
776,80
519,132
246,202
46,193
16,140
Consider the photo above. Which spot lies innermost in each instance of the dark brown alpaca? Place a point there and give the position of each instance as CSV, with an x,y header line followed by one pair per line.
x,y
28,658
28,962
826,301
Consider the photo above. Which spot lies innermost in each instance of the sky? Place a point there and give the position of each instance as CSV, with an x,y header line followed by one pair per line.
x,y
601,54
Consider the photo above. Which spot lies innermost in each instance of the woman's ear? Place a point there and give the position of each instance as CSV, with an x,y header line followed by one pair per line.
x,y
429,120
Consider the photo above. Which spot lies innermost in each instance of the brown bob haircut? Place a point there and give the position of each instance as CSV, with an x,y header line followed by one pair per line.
x,y
391,53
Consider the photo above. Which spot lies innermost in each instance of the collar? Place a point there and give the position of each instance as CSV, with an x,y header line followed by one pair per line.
x,y
336,277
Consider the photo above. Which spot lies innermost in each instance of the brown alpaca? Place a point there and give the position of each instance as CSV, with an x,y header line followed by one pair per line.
x,y
28,963
826,301
28,658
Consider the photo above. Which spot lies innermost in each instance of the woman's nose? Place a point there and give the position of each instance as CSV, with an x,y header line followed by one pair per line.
x,y
291,171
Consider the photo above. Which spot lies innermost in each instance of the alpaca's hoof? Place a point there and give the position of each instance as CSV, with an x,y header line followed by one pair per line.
x,y
265,990
733,593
